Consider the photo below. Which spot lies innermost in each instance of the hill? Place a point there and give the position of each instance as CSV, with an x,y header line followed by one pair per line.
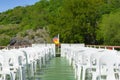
x,y
77,21
25,23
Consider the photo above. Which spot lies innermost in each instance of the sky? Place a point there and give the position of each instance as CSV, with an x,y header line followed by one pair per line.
x,y
10,4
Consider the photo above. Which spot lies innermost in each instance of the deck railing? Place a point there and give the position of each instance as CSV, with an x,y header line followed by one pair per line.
x,y
104,46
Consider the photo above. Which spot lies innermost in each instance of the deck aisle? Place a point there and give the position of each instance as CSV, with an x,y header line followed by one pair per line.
x,y
57,69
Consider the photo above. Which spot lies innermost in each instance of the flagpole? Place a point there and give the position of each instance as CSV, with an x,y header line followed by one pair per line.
x,y
56,40
59,43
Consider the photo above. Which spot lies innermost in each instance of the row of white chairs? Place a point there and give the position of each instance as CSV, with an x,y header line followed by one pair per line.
x,y
92,63
21,63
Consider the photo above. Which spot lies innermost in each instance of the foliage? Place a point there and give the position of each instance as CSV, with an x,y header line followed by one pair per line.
x,y
4,39
110,28
77,21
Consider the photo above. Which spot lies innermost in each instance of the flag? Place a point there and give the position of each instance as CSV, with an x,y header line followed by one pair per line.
x,y
56,39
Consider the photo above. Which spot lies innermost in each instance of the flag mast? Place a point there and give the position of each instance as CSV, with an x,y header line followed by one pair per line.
x,y
58,38
59,42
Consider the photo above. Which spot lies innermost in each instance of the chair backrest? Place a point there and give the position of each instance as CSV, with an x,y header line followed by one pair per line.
x,y
28,54
20,56
1,62
108,64
95,56
10,60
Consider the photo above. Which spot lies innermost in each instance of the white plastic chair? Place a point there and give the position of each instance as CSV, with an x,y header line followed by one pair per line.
x,y
108,66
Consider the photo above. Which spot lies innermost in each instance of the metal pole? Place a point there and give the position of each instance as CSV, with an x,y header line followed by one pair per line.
x,y
59,42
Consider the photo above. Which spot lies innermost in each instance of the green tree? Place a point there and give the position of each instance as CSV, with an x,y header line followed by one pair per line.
x,y
77,21
110,28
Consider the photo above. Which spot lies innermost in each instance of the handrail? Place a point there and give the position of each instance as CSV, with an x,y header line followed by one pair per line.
x,y
14,47
103,46
2,47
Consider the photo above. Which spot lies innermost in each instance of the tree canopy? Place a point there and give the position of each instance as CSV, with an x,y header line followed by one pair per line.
x,y
109,28
77,21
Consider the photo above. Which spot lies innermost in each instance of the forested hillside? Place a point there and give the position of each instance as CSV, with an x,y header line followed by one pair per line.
x,y
77,21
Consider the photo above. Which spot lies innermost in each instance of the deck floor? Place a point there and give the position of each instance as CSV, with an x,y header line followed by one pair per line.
x,y
57,69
